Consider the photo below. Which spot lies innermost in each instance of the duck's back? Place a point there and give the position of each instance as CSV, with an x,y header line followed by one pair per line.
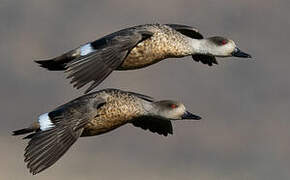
x,y
164,43
120,107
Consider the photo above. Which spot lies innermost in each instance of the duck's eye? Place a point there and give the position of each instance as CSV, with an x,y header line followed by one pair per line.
x,y
224,42
173,106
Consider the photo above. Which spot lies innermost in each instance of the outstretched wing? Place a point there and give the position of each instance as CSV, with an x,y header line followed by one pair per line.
x,y
103,56
155,125
186,30
66,125
205,59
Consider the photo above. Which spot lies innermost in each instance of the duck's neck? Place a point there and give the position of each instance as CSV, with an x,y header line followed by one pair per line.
x,y
148,108
198,46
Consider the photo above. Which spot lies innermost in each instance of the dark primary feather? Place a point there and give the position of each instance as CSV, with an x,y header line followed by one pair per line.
x,y
110,53
97,67
154,124
186,30
205,59
46,147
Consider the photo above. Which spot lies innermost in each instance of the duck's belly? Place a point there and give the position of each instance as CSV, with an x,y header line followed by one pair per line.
x,y
100,126
142,56
160,46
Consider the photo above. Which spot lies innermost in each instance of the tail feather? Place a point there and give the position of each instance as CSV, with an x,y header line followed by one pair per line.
x,y
34,127
22,131
59,63
51,65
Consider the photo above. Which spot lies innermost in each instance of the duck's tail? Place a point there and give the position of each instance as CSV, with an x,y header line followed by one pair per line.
x,y
59,63
34,127
51,64
22,131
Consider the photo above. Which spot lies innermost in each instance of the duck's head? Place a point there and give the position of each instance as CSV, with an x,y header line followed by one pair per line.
x,y
221,47
173,110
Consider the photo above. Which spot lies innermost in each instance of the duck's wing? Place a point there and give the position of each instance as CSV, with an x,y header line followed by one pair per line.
x,y
142,96
186,30
154,124
58,132
103,56
205,59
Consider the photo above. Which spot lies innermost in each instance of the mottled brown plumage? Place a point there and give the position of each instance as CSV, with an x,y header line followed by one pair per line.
x,y
119,109
138,47
93,114
165,42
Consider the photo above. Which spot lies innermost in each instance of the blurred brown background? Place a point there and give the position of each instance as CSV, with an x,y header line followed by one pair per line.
x,y
244,134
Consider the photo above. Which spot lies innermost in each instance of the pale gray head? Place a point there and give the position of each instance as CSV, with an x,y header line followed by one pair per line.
x,y
172,110
220,47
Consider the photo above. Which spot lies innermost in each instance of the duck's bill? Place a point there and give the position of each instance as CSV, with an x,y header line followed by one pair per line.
x,y
238,53
189,115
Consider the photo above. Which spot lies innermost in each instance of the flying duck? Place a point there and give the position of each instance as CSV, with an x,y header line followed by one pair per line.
x,y
138,47
93,114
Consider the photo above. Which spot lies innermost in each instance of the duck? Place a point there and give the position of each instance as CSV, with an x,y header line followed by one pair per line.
x,y
138,47
93,114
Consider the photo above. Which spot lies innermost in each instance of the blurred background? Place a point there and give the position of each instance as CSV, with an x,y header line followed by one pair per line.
x,y
244,134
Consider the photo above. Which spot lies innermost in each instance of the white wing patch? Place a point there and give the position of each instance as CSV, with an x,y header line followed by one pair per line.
x,y
45,122
86,49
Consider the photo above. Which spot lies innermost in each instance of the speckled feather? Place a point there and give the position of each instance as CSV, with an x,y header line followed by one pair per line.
x,y
164,43
120,108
